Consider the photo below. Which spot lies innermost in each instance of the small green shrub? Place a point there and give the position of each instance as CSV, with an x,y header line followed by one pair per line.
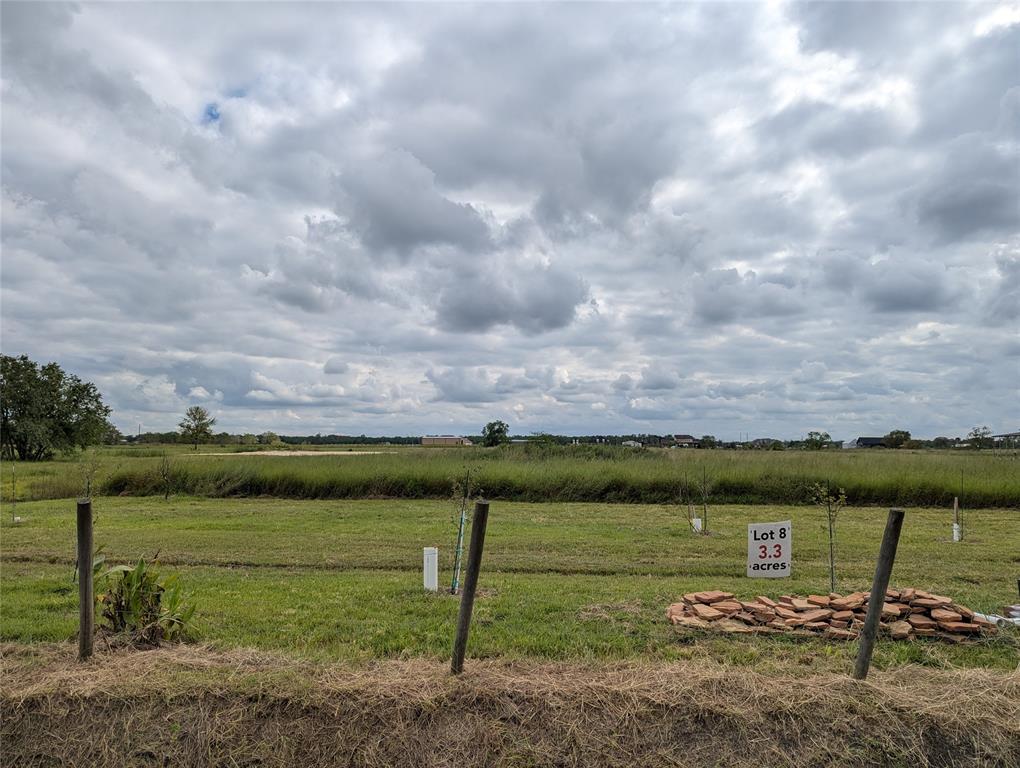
x,y
145,608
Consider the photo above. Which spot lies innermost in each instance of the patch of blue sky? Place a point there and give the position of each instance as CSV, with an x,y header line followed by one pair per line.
x,y
211,113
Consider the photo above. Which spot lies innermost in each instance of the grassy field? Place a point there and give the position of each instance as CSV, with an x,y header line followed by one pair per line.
x,y
342,580
543,474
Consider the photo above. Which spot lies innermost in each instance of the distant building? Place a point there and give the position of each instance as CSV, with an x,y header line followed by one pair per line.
x,y
685,441
865,442
1007,440
445,440
631,443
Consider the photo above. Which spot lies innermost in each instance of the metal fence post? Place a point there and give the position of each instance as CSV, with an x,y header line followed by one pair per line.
x,y
86,599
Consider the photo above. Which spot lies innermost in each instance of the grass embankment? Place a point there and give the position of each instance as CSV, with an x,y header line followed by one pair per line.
x,y
342,579
577,474
190,706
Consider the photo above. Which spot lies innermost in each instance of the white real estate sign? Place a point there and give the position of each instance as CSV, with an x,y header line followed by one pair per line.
x,y
769,546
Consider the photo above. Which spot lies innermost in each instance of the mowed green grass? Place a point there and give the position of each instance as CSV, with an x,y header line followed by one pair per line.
x,y
342,579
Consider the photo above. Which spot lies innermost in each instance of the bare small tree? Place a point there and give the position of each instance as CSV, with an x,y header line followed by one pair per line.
x,y
88,470
701,487
832,503
706,493
461,492
166,474
14,493
683,496
687,495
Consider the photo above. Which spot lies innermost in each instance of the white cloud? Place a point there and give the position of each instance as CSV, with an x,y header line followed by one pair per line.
x,y
715,218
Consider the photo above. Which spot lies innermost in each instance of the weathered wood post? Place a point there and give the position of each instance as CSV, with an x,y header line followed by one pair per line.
x,y
886,556
467,598
86,600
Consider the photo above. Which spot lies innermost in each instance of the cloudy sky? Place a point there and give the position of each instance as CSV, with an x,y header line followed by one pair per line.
x,y
396,219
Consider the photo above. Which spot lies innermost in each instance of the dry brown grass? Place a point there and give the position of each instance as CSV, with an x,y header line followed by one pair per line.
x,y
194,706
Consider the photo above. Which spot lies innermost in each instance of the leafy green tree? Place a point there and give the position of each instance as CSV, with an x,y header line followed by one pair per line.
x,y
44,410
815,441
111,435
196,425
896,439
708,441
980,437
268,438
496,433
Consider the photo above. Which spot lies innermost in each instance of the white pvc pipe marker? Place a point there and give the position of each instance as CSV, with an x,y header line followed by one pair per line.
x,y
431,566
956,532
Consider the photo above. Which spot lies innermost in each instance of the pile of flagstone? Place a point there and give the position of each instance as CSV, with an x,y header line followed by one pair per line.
x,y
906,613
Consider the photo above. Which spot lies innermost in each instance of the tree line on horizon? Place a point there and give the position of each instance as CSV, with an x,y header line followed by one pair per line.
x,y
45,411
652,441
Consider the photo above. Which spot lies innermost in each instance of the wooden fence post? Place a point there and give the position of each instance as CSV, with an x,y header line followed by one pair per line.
x,y
86,599
886,557
467,598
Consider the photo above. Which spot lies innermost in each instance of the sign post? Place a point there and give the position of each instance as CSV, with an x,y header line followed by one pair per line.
x,y
769,550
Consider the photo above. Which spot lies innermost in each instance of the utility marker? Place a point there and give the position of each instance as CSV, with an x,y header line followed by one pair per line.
x,y
431,569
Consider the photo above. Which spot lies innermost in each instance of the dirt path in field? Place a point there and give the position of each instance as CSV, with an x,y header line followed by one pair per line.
x,y
290,453
194,706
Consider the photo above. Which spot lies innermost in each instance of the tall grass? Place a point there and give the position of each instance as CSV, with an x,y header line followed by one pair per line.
x,y
594,474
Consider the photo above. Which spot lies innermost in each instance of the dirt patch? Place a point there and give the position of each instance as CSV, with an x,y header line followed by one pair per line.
x,y
609,611
288,453
194,706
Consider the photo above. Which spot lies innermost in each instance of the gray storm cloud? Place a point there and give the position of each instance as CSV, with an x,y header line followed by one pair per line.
x,y
590,218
